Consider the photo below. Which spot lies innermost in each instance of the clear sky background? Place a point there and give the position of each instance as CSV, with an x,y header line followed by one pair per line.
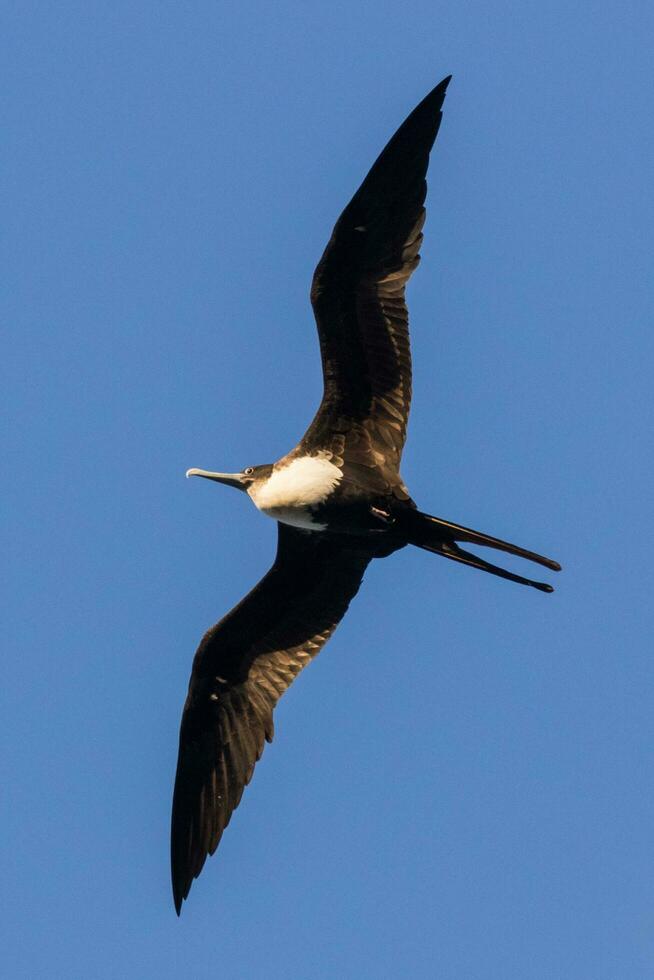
x,y
461,785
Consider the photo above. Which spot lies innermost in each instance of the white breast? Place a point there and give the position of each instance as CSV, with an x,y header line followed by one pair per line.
x,y
291,490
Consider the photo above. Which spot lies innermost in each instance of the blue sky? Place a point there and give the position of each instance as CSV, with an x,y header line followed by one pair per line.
x,y
461,785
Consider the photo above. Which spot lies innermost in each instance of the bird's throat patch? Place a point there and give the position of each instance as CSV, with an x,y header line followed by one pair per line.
x,y
293,489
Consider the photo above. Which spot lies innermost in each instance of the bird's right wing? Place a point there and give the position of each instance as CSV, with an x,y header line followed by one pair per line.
x,y
242,667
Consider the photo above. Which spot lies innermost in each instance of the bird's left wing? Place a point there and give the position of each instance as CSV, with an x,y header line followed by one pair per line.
x,y
242,667
358,299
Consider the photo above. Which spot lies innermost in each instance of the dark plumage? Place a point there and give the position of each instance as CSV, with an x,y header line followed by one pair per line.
x,y
338,497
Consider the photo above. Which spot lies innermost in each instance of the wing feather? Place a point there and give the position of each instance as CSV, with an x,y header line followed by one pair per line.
x,y
242,667
358,299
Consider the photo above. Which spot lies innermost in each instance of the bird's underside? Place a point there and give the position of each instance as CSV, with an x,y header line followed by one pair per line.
x,y
338,498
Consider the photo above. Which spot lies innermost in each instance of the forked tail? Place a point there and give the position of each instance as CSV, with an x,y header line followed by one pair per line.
x,y
440,537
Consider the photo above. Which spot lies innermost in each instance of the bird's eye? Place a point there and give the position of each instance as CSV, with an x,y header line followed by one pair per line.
x,y
249,471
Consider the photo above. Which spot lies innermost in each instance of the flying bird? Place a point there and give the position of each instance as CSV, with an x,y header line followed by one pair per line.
x,y
338,498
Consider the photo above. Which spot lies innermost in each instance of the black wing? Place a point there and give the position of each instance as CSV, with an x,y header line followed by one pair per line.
x,y
358,299
242,667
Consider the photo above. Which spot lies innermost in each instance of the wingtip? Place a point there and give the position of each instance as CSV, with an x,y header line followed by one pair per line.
x,y
441,88
436,97
177,880
178,901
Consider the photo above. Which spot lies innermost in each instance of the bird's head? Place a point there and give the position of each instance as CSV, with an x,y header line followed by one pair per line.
x,y
244,480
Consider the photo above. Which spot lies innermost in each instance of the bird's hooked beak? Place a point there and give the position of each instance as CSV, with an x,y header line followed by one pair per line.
x,y
238,480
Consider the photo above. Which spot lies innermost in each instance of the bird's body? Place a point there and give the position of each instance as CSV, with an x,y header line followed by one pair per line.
x,y
338,498
317,493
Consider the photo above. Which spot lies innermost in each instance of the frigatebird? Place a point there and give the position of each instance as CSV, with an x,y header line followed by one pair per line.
x,y
338,498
